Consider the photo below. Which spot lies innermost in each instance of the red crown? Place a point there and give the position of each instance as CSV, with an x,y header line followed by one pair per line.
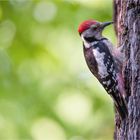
x,y
85,25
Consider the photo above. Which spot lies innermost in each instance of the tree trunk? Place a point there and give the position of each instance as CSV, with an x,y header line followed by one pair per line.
x,y
127,26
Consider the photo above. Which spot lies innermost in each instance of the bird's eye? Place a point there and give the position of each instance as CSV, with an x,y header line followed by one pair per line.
x,y
94,27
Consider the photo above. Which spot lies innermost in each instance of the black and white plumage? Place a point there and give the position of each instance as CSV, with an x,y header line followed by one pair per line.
x,y
104,61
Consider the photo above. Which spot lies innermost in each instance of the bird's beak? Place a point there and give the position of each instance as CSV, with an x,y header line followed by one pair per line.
x,y
104,24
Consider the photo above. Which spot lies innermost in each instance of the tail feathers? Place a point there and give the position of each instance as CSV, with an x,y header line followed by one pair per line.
x,y
120,106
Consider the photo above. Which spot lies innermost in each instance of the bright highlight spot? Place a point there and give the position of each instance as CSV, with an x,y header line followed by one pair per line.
x,y
74,108
20,4
7,33
46,129
45,11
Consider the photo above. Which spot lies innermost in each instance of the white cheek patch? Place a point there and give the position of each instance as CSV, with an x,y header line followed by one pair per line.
x,y
88,44
102,69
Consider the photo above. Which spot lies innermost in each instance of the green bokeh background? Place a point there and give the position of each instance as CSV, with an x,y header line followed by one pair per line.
x,y
46,89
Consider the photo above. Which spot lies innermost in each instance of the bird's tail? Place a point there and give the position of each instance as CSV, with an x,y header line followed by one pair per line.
x,y
120,106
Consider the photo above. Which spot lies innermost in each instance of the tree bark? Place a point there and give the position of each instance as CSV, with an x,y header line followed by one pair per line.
x,y
127,27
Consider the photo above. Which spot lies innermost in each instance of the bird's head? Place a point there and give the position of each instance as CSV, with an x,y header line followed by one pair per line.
x,y
91,30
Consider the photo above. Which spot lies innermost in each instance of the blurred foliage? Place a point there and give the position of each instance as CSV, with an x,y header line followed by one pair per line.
x,y
46,89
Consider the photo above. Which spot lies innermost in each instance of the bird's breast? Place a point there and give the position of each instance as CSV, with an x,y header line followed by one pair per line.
x,y
91,61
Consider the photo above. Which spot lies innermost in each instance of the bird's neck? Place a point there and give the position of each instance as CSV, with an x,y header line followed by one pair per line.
x,y
90,42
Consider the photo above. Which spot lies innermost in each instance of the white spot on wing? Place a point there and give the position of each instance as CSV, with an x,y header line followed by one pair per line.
x,y
108,82
110,90
100,60
111,69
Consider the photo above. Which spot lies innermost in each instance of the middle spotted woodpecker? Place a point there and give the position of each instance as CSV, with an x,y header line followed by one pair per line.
x,y
104,61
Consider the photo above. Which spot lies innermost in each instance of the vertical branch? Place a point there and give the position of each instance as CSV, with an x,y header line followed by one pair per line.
x,y
127,27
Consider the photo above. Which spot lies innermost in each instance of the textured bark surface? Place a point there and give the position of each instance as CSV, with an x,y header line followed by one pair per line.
x,y
127,26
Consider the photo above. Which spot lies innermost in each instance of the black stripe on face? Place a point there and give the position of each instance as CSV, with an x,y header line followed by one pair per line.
x,y
90,39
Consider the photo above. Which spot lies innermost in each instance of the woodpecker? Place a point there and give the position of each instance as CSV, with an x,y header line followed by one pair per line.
x,y
104,61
